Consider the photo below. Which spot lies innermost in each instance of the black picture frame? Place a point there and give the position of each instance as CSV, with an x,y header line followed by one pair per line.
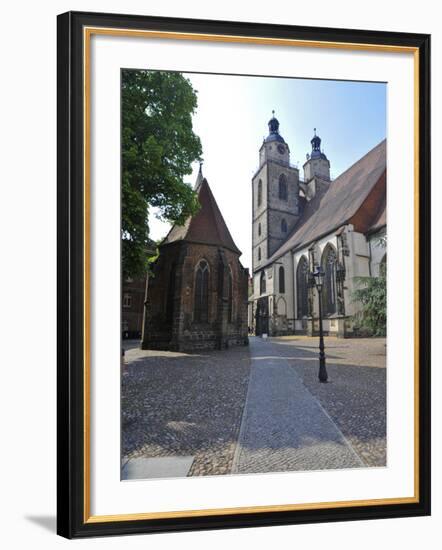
x,y
72,394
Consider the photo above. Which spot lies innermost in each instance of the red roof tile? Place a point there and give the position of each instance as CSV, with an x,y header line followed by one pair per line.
x,y
207,226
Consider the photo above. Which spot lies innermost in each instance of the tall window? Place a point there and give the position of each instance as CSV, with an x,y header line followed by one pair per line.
x,y
259,230
230,298
302,287
283,226
262,283
201,304
282,187
281,280
329,292
259,192
127,300
171,293
259,254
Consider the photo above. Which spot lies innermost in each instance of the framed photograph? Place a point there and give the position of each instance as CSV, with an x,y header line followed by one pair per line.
x,y
241,341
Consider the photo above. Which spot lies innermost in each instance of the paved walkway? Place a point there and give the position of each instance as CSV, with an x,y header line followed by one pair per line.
x,y
283,426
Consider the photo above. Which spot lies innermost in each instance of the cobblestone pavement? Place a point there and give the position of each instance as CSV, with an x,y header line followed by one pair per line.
x,y
176,404
355,397
284,428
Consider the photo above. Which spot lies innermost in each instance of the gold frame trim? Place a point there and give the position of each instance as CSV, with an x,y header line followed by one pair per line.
x,y
87,34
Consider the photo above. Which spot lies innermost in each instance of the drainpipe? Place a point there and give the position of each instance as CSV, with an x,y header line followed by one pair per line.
x,y
369,261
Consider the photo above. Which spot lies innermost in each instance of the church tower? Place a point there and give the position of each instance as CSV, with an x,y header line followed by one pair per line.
x,y
275,196
317,164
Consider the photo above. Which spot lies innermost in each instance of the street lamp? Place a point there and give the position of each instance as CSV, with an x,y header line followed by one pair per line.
x,y
318,276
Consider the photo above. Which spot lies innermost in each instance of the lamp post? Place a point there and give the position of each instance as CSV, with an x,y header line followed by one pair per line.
x,y
318,276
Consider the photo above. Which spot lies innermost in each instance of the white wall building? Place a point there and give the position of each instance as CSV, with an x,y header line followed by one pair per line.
x,y
299,225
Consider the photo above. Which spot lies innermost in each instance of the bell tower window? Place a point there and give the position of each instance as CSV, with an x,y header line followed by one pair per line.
x,y
282,187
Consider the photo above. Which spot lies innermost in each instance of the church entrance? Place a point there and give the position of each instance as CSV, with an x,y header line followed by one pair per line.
x,y
262,316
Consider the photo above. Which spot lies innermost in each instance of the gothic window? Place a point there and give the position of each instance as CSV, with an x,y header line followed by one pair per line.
x,y
281,280
259,254
329,296
282,188
201,304
259,192
302,273
259,230
230,298
170,293
262,283
283,226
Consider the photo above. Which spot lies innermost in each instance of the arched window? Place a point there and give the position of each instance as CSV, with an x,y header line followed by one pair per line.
x,y
283,226
259,230
281,280
259,254
171,293
201,304
262,283
302,287
329,297
282,187
230,298
259,192
383,266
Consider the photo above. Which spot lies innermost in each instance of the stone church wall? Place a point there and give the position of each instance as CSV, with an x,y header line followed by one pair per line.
x,y
175,328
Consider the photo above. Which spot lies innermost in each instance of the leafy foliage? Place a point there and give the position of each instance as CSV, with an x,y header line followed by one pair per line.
x,y
372,294
158,148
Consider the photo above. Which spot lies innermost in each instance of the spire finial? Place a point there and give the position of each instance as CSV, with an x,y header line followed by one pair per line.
x,y
273,112
199,177
314,129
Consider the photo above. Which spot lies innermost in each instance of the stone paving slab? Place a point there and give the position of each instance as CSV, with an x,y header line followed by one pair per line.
x,y
159,467
284,428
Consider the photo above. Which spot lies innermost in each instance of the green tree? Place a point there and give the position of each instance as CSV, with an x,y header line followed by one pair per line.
x,y
372,295
158,148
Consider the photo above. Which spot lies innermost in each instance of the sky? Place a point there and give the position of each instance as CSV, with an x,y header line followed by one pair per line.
x,y
231,121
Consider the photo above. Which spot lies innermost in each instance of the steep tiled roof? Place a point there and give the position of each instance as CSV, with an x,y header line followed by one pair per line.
x,y
380,220
337,203
207,226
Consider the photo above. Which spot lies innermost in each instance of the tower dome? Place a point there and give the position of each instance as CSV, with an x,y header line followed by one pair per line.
x,y
316,147
274,130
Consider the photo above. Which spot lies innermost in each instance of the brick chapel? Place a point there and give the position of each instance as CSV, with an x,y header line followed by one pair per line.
x,y
198,291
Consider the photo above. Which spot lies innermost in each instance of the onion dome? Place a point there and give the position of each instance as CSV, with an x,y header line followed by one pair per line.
x,y
274,130
316,148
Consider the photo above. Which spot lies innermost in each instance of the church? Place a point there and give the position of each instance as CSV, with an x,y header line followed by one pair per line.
x,y
299,224
196,296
